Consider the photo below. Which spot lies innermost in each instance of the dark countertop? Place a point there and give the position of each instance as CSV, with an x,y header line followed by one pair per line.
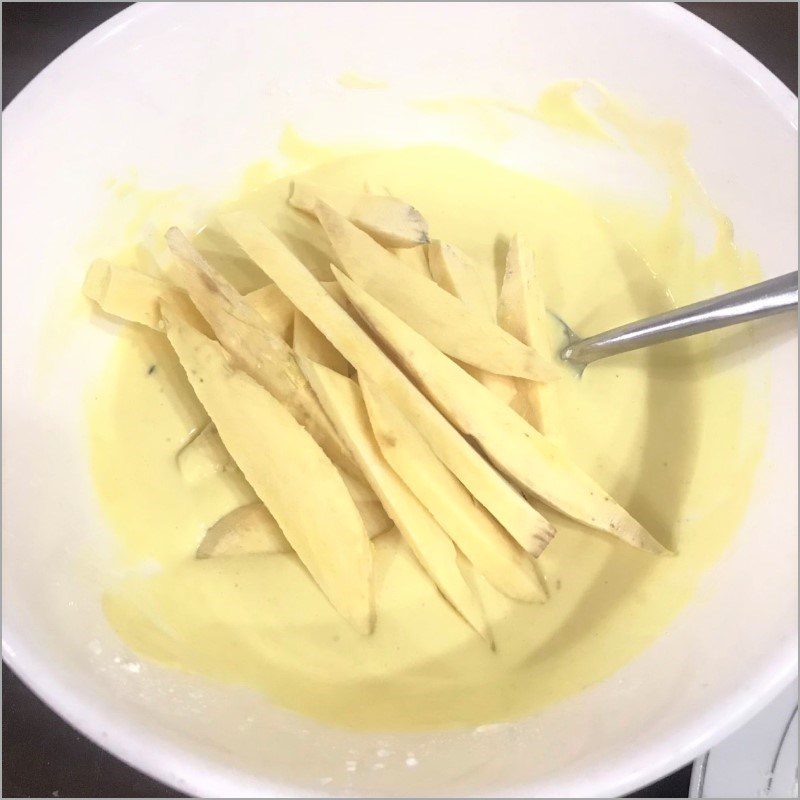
x,y
43,756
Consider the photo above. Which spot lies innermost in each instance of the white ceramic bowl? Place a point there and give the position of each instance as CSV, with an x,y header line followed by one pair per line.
x,y
190,93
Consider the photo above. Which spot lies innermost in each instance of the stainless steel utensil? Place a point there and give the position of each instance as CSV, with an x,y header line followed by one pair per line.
x,y
775,296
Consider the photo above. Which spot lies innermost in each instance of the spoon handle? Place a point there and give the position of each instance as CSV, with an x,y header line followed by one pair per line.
x,y
774,296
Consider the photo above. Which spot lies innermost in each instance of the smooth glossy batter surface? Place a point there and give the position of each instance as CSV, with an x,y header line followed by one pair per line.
x,y
672,433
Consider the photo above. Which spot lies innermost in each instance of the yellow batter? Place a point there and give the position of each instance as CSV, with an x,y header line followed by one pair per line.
x,y
672,434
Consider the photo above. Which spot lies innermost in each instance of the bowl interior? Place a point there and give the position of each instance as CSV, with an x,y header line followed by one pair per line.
x,y
190,94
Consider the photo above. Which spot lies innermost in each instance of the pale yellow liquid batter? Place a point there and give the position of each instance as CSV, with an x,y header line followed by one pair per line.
x,y
671,432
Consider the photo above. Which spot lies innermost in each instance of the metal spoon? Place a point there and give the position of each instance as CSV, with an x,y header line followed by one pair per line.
x,y
774,296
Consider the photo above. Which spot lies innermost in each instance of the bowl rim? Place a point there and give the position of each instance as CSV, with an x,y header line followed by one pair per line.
x,y
159,757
